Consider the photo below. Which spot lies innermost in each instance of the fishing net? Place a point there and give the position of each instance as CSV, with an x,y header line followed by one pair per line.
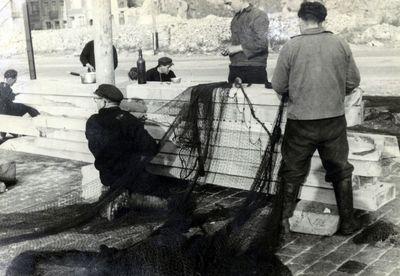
x,y
380,231
201,134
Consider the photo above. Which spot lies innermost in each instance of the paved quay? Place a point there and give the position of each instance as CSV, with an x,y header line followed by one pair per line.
x,y
50,182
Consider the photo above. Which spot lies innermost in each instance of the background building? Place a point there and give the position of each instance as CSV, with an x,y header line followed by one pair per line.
x,y
81,12
56,14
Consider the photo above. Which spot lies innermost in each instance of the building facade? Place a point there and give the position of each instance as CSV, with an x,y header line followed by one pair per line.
x,y
46,14
80,13
56,14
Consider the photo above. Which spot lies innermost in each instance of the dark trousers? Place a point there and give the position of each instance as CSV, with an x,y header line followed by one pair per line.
x,y
248,74
303,137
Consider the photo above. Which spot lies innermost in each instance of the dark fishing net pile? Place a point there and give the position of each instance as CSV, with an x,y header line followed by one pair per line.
x,y
244,245
380,231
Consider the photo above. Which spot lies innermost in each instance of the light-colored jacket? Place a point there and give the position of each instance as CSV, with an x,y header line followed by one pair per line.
x,y
318,70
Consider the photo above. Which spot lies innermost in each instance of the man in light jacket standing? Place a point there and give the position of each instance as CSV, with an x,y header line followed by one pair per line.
x,y
317,69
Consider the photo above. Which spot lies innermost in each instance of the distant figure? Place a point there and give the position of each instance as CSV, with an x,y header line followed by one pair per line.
x,y
7,97
88,60
248,51
162,72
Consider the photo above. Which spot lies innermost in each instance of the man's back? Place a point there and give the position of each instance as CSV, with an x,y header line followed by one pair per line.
x,y
318,70
6,97
117,140
87,55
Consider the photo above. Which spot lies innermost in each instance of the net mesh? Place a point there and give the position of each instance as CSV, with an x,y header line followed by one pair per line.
x,y
201,133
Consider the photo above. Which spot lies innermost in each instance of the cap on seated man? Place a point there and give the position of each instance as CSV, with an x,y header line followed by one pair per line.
x,y
162,72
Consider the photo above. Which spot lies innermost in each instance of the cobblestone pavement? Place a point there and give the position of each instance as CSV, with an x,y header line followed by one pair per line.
x,y
46,181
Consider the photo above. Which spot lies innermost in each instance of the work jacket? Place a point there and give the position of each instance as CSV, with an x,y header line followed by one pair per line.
x,y
119,142
317,69
250,30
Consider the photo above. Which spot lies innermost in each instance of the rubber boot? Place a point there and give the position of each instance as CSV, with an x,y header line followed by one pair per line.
x,y
290,193
344,199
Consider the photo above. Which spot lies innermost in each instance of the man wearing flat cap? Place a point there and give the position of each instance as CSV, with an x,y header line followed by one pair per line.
x,y
162,72
7,97
317,70
118,141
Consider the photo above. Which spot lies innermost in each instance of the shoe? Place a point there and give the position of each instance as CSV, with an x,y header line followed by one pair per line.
x,y
268,85
114,208
349,224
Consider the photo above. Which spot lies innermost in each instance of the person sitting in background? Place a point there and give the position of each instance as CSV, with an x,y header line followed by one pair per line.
x,y
162,72
7,97
88,60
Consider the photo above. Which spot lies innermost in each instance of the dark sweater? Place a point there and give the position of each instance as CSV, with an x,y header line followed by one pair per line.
x,y
87,55
154,75
118,141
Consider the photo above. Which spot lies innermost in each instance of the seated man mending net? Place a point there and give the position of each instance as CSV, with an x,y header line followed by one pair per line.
x,y
246,242
119,144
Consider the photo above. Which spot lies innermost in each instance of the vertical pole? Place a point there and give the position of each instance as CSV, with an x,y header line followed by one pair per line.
x,y
103,44
154,12
29,45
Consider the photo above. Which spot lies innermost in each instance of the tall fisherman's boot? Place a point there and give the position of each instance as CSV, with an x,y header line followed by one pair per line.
x,y
290,193
344,199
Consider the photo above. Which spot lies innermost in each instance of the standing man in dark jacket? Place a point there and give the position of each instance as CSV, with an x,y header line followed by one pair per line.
x,y
317,69
249,49
87,57
119,142
7,97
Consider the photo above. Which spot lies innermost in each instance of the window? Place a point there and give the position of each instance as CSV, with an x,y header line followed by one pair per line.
x,y
131,4
34,9
57,24
48,25
121,3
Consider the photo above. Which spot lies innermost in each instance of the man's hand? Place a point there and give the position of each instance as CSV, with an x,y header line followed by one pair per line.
x,y
89,67
231,50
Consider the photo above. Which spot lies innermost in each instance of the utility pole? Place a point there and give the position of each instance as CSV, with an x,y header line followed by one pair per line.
x,y
29,45
103,43
154,12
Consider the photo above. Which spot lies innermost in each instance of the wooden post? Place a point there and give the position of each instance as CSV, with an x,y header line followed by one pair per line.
x,y
29,45
103,44
154,12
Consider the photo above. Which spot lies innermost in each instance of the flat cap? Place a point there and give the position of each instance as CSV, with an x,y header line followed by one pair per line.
x,y
164,61
11,73
110,92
